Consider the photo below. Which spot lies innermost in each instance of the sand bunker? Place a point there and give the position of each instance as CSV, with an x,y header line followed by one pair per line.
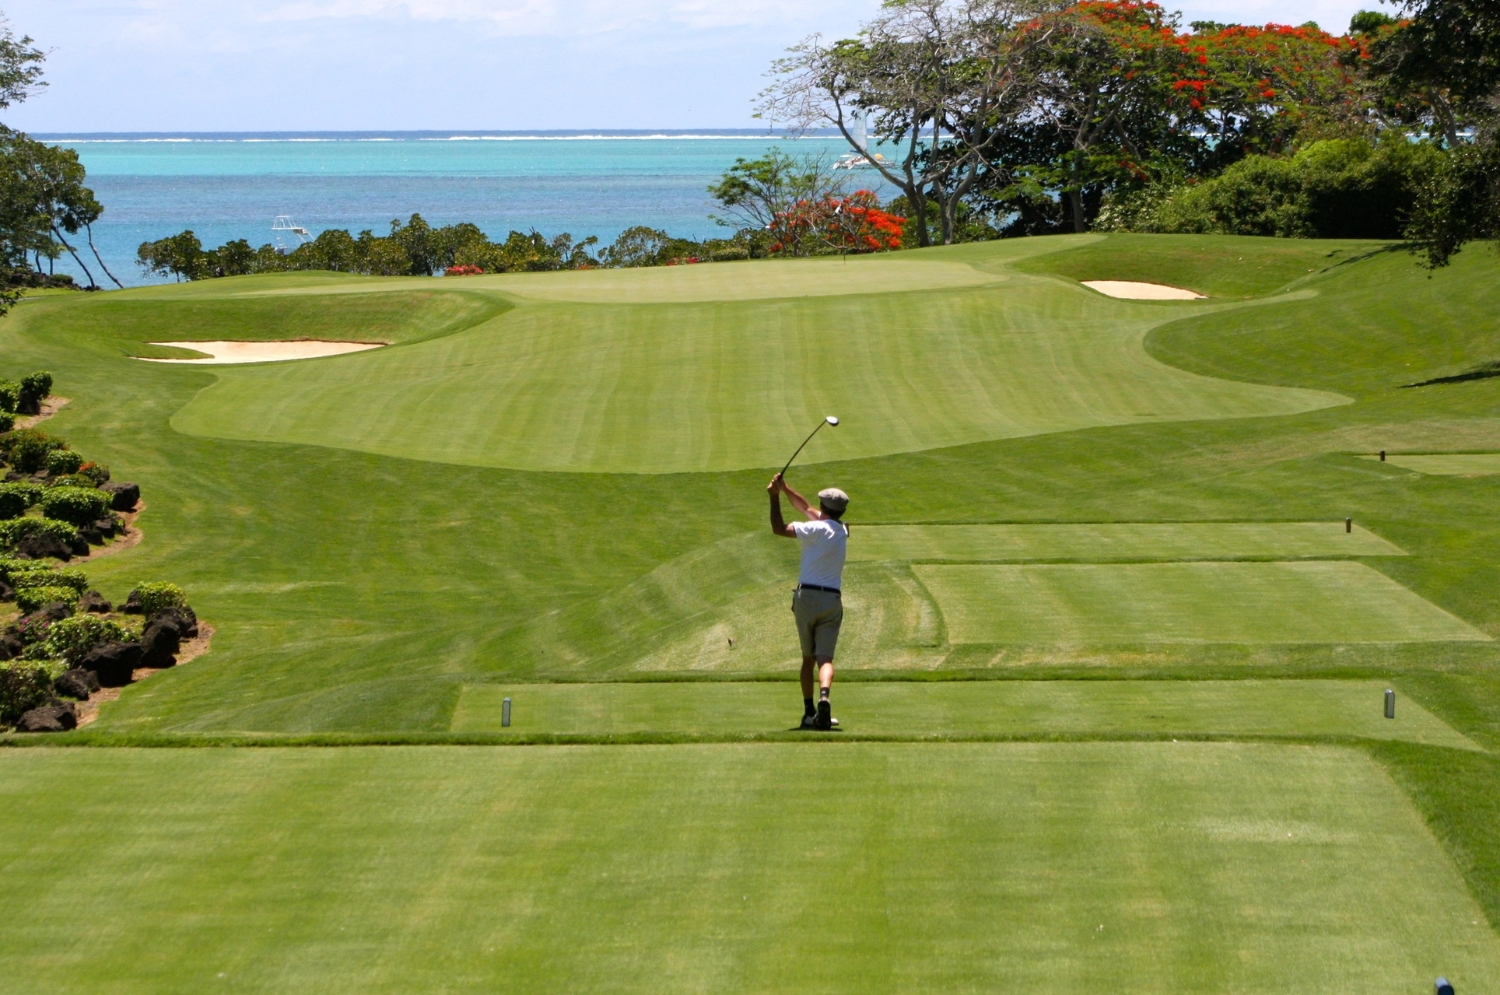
x,y
1141,291
263,352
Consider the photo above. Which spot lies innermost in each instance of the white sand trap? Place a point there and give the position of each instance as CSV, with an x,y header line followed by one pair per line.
x,y
263,352
1141,291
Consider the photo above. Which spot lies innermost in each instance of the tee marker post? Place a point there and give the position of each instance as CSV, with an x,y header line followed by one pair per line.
x,y
505,714
1390,703
1382,456
1442,987
1348,525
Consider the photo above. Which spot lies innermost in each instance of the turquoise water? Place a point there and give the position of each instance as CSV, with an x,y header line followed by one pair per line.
x,y
232,186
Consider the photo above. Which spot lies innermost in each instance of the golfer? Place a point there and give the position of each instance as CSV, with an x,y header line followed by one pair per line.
x,y
817,603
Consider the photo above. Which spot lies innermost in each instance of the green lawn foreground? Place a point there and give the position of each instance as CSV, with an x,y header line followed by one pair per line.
x,y
1047,867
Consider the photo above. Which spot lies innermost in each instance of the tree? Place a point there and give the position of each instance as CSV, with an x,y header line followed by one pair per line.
x,y
853,224
939,81
179,255
754,192
20,66
1441,63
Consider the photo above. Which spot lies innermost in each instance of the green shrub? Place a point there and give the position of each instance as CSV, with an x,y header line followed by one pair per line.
x,y
16,529
10,396
7,421
70,638
63,461
97,472
14,500
72,480
78,505
40,576
34,387
152,598
1337,188
22,688
28,449
29,599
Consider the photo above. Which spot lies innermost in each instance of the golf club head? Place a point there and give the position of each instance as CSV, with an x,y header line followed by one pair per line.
x,y
831,420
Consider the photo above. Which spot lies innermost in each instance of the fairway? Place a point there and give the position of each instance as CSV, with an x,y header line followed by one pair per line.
x,y
1200,868
1449,464
1102,542
725,385
962,708
1307,602
1110,681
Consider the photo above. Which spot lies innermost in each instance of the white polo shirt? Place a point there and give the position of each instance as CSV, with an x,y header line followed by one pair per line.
x,y
824,544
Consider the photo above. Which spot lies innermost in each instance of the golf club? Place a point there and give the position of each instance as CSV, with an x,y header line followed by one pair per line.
x,y
830,420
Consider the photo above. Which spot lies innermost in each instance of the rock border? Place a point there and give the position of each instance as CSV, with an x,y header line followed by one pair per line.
x,y
191,649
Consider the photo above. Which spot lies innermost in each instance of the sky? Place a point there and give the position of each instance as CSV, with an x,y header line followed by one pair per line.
x,y
385,65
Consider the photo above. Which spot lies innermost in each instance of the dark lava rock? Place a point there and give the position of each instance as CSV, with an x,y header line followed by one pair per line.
x,y
93,601
184,618
7,593
59,717
132,605
10,647
106,526
79,545
76,683
40,547
91,535
12,476
112,662
125,495
160,643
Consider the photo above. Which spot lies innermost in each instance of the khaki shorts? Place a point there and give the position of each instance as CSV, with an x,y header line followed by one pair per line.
x,y
819,615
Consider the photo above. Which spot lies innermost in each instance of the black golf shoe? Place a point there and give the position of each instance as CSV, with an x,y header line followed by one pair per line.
x,y
825,716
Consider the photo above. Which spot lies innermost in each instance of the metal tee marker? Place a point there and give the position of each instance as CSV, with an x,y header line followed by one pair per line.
x,y
505,714
1390,703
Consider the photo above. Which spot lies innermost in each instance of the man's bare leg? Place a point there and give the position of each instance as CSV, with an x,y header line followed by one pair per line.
x,y
825,684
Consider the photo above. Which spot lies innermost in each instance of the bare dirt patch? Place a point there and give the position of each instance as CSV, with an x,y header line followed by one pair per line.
x,y
50,407
222,352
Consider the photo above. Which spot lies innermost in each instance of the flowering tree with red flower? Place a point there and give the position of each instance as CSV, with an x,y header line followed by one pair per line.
x,y
852,224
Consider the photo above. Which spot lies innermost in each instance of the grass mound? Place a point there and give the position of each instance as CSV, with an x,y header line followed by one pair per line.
x,y
1213,265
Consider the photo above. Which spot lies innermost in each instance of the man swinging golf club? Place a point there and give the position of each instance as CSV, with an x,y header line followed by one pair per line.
x,y
817,603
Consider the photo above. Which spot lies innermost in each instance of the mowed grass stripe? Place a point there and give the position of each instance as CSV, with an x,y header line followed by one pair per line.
x,y
1448,464
1190,867
1102,542
666,388
1304,602
1012,708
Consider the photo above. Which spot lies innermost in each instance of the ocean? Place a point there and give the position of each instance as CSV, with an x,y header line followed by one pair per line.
x,y
228,186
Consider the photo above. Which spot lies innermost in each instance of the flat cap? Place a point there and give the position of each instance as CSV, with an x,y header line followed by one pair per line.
x,y
833,499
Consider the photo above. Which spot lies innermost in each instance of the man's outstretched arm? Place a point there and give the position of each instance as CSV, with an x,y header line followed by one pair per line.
x,y
778,524
800,503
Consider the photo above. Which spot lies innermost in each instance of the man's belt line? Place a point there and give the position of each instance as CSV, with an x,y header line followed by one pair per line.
x,y
818,587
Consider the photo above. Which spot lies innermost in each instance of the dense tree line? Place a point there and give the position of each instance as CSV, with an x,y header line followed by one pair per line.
x,y
1036,116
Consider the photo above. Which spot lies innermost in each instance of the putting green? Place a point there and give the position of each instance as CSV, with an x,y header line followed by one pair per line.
x,y
1117,867
1448,464
1102,542
666,388
1011,708
1304,602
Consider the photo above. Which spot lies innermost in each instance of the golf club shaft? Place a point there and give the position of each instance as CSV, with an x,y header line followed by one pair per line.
x,y
802,447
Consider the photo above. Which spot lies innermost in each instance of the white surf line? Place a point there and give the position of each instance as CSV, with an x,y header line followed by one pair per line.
x,y
1131,291
221,351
